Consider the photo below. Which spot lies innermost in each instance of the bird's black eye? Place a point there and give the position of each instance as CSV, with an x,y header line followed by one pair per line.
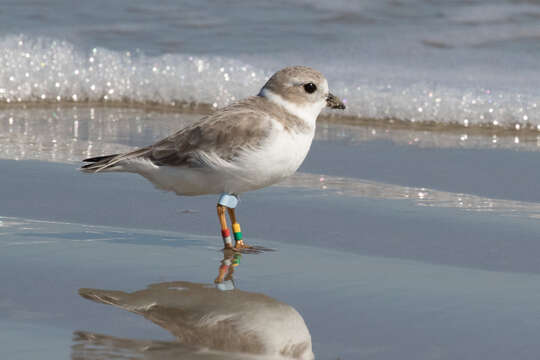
x,y
310,88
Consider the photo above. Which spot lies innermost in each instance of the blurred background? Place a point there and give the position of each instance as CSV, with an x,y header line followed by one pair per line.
x,y
421,61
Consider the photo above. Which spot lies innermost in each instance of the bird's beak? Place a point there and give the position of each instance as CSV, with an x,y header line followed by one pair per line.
x,y
334,102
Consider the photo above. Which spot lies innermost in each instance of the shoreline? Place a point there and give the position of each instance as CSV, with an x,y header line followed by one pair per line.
x,y
527,131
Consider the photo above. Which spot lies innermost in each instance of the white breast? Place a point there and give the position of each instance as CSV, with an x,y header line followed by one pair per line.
x,y
277,158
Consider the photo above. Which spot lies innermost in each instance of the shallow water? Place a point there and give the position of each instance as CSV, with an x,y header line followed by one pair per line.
x,y
377,263
420,161
355,305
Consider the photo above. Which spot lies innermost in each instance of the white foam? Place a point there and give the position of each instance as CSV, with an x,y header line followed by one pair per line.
x,y
45,70
38,69
423,103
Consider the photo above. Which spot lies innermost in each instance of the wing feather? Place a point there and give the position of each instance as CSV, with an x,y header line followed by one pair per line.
x,y
215,139
224,134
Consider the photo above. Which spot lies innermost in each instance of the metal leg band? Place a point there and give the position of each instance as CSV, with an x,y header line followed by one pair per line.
x,y
228,200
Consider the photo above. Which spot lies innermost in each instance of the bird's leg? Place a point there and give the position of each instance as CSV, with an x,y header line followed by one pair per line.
x,y
230,201
226,201
225,233
237,231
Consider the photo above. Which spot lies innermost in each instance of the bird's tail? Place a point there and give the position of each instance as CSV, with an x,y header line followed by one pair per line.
x,y
98,163
109,162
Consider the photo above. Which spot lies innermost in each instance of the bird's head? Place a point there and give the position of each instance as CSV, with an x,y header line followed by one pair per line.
x,y
302,91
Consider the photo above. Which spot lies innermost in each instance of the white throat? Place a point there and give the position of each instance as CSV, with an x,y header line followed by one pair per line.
x,y
307,113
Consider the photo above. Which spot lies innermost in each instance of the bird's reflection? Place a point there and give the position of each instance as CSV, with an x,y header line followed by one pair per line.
x,y
210,321
225,280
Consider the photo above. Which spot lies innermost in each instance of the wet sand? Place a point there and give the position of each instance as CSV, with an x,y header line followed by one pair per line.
x,y
355,306
386,249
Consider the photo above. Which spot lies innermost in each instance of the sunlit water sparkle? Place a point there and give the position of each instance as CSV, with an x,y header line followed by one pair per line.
x,y
464,64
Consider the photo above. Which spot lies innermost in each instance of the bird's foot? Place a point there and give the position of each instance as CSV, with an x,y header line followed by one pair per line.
x,y
241,245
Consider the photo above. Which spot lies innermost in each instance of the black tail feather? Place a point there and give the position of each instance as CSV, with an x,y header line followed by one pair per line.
x,y
111,162
97,163
99,158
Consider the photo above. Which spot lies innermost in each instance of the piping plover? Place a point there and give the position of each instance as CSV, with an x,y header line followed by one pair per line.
x,y
211,324
217,318
245,146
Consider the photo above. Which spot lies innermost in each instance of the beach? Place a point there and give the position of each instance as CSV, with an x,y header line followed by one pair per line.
x,y
410,231
375,262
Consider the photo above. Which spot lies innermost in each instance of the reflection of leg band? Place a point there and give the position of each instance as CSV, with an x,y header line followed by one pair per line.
x,y
226,235
236,260
237,231
223,268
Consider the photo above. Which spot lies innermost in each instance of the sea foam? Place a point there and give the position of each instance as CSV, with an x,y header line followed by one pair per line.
x,y
44,70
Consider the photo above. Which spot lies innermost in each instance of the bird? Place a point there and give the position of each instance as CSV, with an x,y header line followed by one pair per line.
x,y
248,145
233,324
236,324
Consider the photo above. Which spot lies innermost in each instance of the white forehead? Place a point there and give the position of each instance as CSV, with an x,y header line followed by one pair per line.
x,y
324,86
